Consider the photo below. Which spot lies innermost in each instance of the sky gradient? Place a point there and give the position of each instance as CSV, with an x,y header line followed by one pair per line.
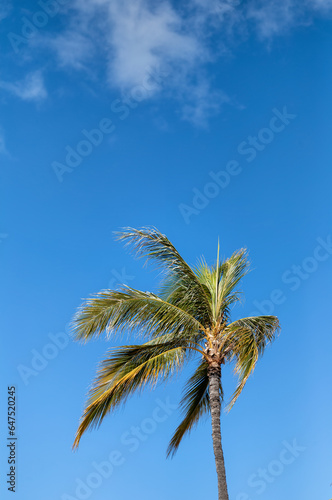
x,y
205,121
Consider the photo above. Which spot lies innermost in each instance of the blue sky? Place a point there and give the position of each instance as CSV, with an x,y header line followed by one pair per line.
x,y
205,121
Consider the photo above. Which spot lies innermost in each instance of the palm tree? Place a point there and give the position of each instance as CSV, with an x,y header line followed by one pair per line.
x,y
190,315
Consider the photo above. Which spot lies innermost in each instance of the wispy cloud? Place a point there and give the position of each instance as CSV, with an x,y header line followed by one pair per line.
x,y
142,38
277,17
133,37
72,48
271,18
128,37
30,89
267,18
322,5
216,11
202,103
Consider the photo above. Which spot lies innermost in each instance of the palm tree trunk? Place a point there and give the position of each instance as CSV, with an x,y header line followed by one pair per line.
x,y
214,373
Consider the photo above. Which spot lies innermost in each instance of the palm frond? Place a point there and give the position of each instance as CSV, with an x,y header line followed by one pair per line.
x,y
128,309
210,277
233,270
125,371
247,338
153,245
194,404
221,281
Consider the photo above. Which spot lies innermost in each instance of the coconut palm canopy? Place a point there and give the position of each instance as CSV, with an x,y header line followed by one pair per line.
x,y
190,316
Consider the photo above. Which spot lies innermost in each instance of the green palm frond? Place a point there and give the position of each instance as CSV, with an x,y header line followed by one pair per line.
x,y
129,309
246,340
221,281
264,328
194,404
181,286
210,277
233,270
125,371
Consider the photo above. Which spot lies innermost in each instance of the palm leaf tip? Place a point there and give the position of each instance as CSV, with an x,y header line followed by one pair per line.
x,y
87,421
250,336
151,244
126,370
181,285
144,242
77,440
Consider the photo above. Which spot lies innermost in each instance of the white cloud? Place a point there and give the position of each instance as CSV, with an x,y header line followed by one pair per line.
x,y
133,38
128,37
30,89
141,38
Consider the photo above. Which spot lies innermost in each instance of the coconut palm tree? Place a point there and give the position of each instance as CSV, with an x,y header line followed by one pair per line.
x,y
190,316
